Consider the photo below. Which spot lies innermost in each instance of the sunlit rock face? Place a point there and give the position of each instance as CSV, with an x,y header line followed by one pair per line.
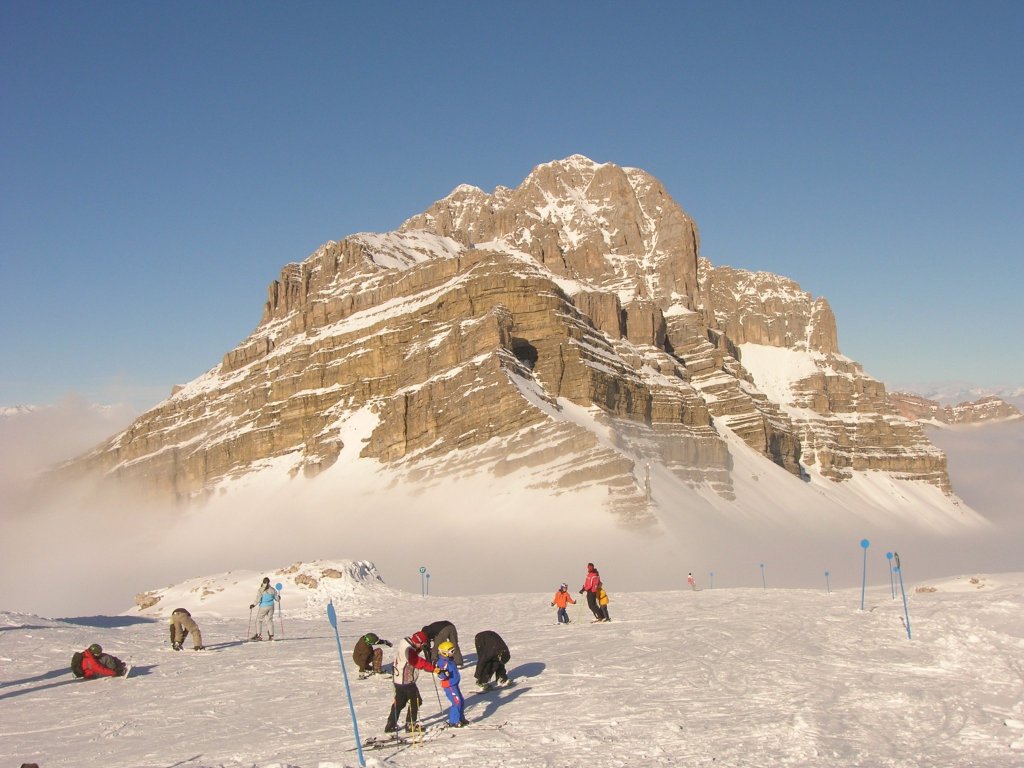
x,y
472,338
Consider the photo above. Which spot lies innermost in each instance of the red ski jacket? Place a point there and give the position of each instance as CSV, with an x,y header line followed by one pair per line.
x,y
91,666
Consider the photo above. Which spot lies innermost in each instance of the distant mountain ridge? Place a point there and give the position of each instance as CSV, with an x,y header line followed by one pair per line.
x,y
465,340
988,409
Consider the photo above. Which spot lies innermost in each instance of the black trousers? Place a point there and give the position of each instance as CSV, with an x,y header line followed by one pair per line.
x,y
406,693
593,606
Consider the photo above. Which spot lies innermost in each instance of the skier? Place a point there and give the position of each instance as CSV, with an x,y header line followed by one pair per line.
x,y
367,658
93,662
491,656
450,677
561,599
266,596
691,581
602,602
440,632
408,663
590,587
181,624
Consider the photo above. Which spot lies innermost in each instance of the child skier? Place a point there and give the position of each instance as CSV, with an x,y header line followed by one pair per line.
x,y
691,581
450,677
602,602
561,599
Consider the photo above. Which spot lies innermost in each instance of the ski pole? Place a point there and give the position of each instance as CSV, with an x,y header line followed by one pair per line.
x,y
437,693
333,618
248,633
280,609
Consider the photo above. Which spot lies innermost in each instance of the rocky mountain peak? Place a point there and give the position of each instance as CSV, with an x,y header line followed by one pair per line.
x,y
612,228
467,338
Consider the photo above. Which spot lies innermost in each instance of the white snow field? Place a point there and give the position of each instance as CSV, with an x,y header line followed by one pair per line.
x,y
716,677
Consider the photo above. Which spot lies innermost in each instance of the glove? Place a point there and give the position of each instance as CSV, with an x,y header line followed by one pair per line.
x,y
581,591
442,675
253,605
388,643
552,604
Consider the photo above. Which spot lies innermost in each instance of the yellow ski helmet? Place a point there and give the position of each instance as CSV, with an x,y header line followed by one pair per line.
x,y
446,649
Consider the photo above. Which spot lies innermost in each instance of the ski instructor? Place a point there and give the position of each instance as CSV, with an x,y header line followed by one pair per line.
x,y
266,596
408,663
590,586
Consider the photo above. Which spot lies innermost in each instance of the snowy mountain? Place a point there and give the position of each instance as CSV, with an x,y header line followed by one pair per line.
x,y
716,677
509,380
479,323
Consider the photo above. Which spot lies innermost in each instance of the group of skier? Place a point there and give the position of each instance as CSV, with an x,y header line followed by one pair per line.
x,y
597,598
433,649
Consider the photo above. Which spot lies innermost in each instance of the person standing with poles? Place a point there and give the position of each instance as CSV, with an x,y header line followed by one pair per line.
x,y
408,663
590,585
450,677
266,597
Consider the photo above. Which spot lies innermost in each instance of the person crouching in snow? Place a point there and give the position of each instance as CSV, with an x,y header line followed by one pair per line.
x,y
367,658
181,624
408,663
492,655
450,677
93,662
266,596
561,599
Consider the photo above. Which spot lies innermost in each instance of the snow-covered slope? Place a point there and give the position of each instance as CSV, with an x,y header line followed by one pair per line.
x,y
308,588
717,677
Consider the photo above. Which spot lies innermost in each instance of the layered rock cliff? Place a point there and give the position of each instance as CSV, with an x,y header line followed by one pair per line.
x,y
470,333
985,410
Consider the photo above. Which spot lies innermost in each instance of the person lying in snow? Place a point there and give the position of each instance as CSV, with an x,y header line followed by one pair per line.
x,y
93,662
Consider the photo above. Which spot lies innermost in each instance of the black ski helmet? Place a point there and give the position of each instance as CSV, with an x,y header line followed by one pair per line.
x,y
95,649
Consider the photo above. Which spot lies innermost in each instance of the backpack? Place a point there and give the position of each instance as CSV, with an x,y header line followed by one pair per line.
x,y
76,665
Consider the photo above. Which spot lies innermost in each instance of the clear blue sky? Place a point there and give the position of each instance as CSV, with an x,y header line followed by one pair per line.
x,y
162,161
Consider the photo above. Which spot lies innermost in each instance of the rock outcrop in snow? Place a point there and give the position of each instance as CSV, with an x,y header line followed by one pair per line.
x,y
306,588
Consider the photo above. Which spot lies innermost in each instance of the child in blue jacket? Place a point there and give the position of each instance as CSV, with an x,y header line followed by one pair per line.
x,y
450,677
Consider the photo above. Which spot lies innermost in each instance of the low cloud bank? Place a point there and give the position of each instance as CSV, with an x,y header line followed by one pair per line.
x,y
84,553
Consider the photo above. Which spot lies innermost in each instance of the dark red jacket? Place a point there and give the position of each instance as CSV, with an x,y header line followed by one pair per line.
x,y
91,666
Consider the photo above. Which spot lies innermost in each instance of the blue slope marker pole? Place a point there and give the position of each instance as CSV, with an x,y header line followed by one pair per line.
x,y
280,610
423,581
711,581
333,618
764,583
828,584
892,580
906,611
864,543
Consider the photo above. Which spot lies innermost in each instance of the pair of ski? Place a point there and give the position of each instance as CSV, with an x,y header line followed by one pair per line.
x,y
430,733
409,738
